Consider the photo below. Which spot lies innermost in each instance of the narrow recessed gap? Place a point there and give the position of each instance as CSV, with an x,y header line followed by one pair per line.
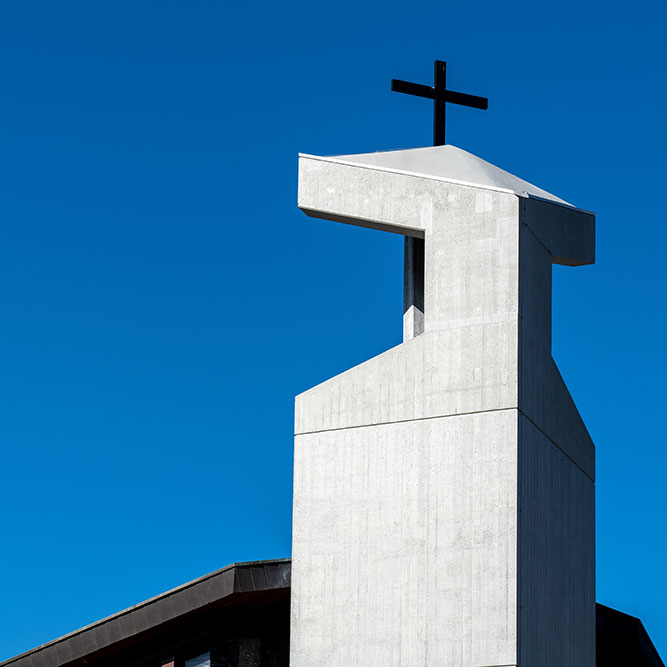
x,y
413,288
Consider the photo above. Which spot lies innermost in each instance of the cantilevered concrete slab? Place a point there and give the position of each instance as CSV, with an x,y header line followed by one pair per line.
x,y
447,163
456,465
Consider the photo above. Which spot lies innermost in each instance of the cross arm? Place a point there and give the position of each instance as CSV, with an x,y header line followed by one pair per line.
x,y
466,100
409,88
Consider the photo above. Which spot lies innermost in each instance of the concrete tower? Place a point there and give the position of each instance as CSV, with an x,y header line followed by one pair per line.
x,y
444,490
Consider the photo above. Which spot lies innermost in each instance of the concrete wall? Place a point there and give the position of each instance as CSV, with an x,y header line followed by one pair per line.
x,y
556,555
405,543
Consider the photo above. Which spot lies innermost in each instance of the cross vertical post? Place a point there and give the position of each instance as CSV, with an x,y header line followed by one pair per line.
x,y
440,100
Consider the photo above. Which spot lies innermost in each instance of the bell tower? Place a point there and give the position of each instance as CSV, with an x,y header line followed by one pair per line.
x,y
444,490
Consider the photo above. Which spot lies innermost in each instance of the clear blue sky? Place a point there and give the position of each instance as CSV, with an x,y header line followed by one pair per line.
x,y
163,300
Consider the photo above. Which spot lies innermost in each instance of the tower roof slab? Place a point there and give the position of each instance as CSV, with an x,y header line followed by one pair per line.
x,y
446,163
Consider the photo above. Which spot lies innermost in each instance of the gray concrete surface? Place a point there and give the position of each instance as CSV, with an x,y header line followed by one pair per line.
x,y
444,490
448,163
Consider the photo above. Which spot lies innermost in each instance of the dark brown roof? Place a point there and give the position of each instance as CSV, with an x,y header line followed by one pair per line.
x,y
254,584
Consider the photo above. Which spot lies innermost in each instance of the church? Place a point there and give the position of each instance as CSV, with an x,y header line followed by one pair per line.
x,y
444,490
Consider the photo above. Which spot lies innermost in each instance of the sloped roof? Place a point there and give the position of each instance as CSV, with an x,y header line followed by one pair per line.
x,y
231,587
448,163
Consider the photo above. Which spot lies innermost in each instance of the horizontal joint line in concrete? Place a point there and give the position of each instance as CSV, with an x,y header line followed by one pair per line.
x,y
406,421
455,414
556,445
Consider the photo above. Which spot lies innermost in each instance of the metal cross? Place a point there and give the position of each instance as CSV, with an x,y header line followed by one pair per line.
x,y
440,96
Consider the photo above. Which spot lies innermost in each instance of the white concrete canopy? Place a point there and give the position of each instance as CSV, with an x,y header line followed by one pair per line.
x,y
448,163
340,188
